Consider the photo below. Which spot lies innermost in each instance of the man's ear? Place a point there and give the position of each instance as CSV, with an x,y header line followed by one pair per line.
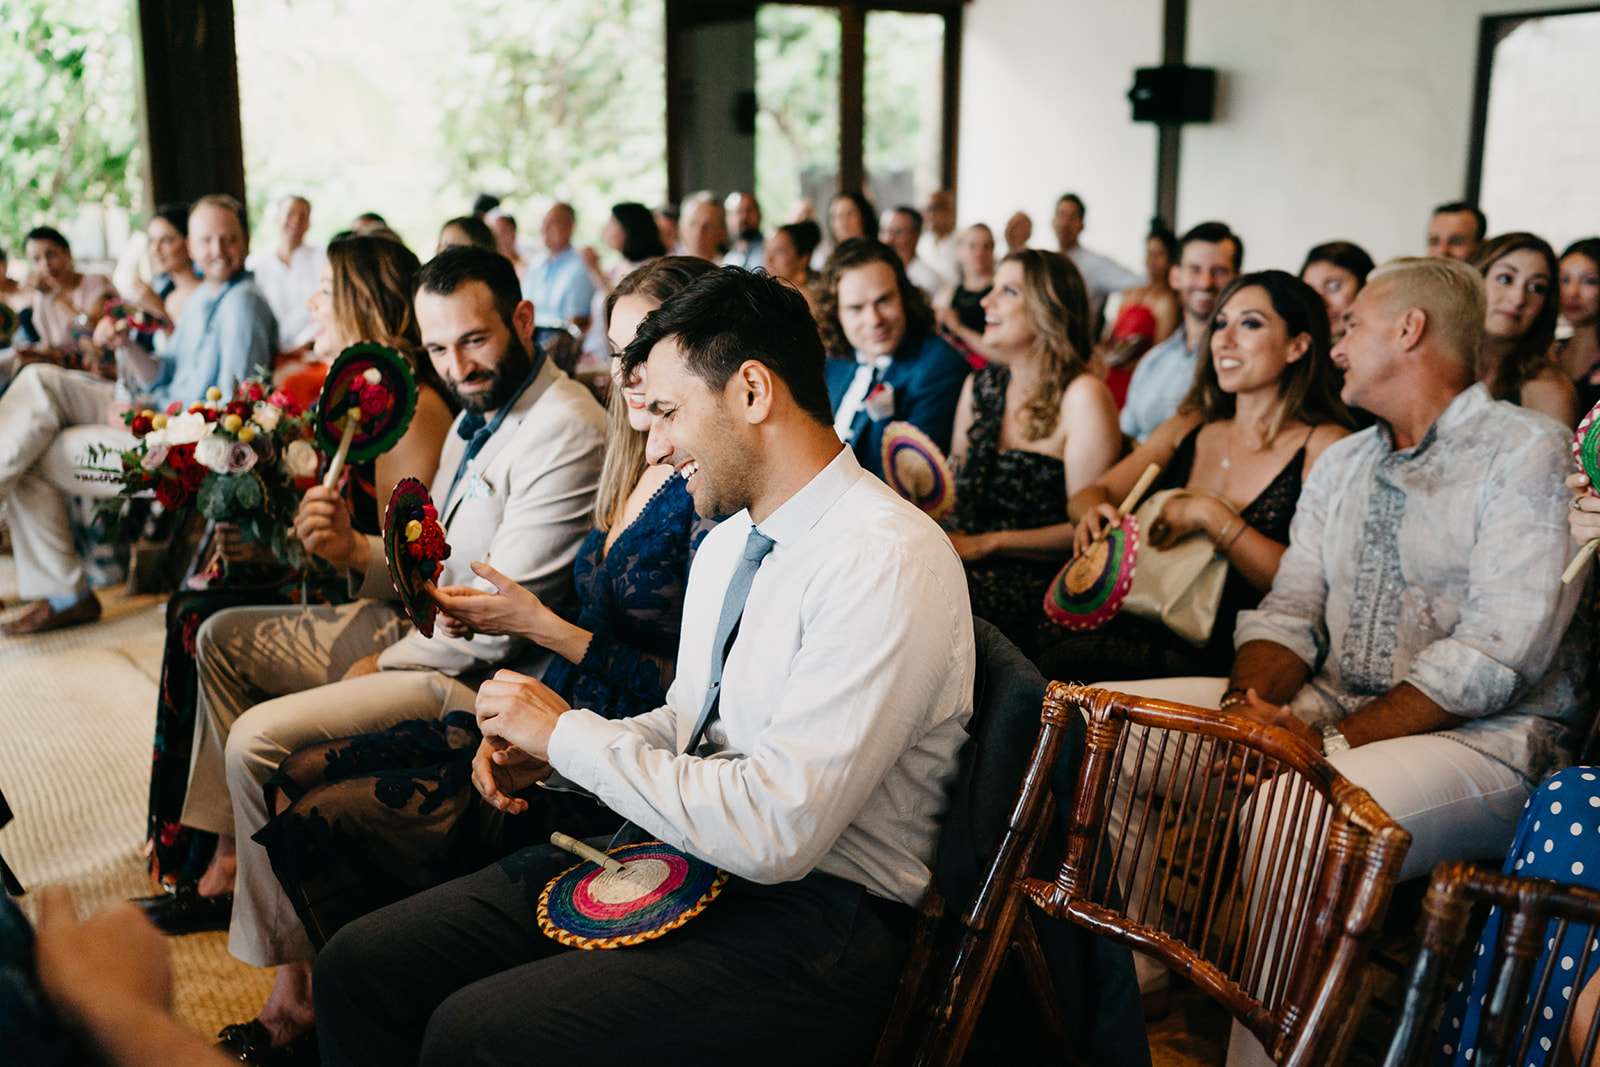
x,y
753,391
522,322
1412,325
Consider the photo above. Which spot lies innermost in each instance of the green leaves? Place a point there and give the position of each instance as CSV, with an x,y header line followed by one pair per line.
x,y
68,133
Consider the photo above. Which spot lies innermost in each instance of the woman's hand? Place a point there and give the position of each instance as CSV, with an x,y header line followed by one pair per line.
x,y
109,331
1584,518
973,547
232,548
1090,525
511,609
1185,513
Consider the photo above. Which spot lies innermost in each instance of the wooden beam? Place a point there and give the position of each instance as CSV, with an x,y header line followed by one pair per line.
x,y
189,107
1169,139
852,94
950,145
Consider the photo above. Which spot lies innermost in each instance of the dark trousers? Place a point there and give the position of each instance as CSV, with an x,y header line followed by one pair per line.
x,y
801,973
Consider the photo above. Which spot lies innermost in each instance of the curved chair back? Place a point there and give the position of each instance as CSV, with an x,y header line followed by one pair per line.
x,y
1534,916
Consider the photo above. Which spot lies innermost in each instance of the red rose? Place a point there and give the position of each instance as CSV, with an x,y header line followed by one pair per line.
x,y
253,391
180,457
140,425
171,493
375,400
175,408
242,408
192,476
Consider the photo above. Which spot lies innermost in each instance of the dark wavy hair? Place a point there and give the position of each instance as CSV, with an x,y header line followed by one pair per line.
x,y
641,237
869,214
859,252
804,235
1347,255
50,234
1532,352
1308,391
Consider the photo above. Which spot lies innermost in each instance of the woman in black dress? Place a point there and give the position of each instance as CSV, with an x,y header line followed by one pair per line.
x,y
1263,406
1031,428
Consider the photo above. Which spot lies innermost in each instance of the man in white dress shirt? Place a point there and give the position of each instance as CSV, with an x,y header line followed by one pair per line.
x,y
517,477
1102,275
287,275
819,786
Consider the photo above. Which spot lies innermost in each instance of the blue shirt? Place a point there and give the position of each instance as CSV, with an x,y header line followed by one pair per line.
x,y
221,338
559,287
1158,386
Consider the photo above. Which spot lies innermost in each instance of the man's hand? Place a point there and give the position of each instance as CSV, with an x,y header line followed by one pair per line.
x,y
519,711
117,957
510,610
360,668
1268,714
499,770
323,526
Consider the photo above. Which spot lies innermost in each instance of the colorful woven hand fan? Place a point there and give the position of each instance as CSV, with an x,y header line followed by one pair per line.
x,y
367,402
136,317
8,322
415,548
915,468
1586,451
1089,590
628,896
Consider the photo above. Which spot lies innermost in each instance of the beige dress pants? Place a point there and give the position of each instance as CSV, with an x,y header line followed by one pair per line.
x,y
269,684
49,420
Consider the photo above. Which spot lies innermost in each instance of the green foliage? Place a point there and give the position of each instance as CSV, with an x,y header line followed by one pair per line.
x,y
68,133
567,101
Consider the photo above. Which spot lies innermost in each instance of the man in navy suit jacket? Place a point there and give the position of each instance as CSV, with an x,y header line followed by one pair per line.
x,y
889,365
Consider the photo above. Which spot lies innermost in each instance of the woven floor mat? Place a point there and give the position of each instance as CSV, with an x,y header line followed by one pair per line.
x,y
77,713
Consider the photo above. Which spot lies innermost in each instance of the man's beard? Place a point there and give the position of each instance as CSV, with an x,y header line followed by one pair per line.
x,y
504,380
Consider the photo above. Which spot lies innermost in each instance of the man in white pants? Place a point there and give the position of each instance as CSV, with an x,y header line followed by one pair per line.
x,y
517,478
51,417
1418,632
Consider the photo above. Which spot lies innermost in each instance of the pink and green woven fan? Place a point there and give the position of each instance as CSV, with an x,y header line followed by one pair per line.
x,y
627,896
367,402
1586,451
1088,592
415,550
916,468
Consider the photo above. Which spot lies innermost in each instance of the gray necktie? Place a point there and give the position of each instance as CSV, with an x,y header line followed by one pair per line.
x,y
755,550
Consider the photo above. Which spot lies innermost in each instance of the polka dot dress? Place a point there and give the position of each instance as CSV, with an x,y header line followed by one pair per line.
x,y
1557,838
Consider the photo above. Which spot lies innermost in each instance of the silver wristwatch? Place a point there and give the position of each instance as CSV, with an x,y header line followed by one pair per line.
x,y
1333,740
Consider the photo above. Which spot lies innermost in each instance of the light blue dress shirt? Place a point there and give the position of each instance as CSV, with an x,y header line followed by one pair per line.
x,y
560,288
1158,386
221,339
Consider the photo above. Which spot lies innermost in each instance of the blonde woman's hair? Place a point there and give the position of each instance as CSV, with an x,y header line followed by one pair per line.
x,y
656,281
1450,293
1057,305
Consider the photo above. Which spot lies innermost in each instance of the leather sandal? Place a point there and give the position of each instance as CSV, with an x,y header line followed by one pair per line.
x,y
187,912
250,1043
42,617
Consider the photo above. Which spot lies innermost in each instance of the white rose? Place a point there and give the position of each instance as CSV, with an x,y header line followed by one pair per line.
x,y
186,429
266,416
156,439
301,459
211,452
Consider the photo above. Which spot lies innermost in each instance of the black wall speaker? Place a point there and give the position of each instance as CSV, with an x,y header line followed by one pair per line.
x,y
1173,94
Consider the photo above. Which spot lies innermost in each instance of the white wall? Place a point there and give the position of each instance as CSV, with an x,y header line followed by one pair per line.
x,y
1345,120
1044,111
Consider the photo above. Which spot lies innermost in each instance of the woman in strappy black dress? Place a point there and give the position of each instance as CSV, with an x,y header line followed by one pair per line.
x,y
1264,405
1031,428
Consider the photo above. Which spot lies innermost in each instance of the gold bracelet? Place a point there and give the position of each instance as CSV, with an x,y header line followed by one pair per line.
x,y
1222,534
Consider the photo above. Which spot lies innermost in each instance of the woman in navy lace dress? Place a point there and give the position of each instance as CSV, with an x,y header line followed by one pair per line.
x,y
365,821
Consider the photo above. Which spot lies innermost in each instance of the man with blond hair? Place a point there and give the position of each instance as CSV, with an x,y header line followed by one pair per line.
x,y
1417,632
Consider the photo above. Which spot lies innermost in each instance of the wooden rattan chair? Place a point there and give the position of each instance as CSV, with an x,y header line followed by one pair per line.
x,y
1534,913
1267,893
